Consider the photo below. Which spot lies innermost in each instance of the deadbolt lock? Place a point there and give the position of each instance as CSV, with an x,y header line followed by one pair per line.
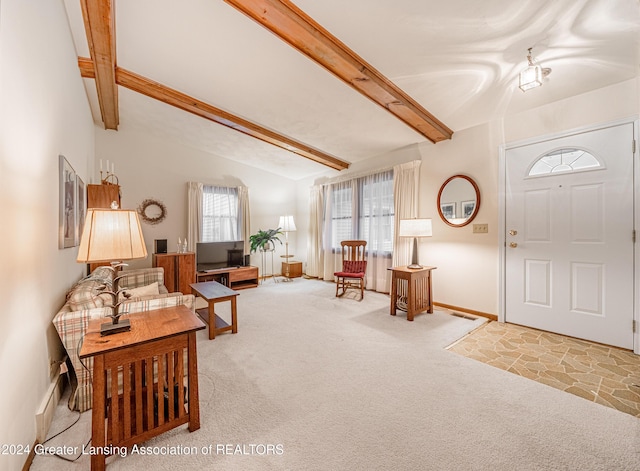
x,y
513,232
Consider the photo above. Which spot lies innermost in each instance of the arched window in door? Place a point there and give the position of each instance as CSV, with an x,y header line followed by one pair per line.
x,y
564,160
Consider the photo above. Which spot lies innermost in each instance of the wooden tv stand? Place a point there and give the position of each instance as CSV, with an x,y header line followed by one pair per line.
x,y
234,278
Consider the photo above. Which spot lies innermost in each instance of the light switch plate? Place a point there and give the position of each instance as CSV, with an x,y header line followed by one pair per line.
x,y
480,228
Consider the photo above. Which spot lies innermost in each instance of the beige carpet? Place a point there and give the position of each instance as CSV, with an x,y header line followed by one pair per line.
x,y
337,384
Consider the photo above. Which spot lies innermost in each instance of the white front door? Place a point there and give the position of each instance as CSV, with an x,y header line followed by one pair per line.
x,y
569,235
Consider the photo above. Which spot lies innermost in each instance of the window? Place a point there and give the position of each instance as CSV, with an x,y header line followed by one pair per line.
x,y
563,161
219,214
363,209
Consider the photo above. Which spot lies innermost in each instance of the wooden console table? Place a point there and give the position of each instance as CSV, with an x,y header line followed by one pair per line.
x,y
234,278
179,269
129,405
414,285
213,292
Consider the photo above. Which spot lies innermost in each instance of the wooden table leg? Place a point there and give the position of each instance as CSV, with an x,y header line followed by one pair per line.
x,y
394,294
212,320
430,310
411,299
194,396
98,413
234,316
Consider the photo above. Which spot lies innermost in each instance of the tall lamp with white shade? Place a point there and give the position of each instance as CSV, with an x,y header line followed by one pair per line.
x,y
415,228
286,225
112,235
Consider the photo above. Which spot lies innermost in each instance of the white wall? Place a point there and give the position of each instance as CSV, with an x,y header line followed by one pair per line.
x,y
600,106
44,113
466,274
150,166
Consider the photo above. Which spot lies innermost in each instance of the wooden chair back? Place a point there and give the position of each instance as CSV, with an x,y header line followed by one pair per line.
x,y
353,250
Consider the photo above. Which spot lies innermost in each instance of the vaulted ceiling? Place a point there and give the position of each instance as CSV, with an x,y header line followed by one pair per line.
x,y
294,88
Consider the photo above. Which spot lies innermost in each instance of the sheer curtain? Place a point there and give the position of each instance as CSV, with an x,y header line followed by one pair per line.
x,y
217,213
360,208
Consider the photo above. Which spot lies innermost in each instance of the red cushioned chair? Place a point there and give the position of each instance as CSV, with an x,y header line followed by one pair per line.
x,y
354,267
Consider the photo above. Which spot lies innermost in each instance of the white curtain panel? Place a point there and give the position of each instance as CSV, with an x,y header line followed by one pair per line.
x,y
217,213
194,214
315,258
244,217
406,186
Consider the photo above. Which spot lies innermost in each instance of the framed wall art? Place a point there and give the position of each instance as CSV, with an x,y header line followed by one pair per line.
x,y
468,207
448,210
67,226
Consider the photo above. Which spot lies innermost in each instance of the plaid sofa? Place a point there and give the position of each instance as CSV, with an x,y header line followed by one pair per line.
x,y
86,301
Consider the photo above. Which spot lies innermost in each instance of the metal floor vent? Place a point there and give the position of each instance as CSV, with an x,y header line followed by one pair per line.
x,y
464,316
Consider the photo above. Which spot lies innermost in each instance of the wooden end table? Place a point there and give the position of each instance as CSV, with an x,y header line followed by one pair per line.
x,y
138,405
416,284
214,292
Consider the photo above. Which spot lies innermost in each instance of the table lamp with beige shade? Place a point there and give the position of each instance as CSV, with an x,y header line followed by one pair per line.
x,y
112,235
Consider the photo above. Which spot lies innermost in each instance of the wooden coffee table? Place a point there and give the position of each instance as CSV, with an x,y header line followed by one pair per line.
x,y
214,292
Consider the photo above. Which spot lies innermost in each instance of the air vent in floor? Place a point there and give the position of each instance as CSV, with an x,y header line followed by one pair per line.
x,y
464,316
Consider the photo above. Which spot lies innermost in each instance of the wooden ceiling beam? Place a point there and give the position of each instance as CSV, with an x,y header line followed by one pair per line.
x,y
99,24
299,30
172,97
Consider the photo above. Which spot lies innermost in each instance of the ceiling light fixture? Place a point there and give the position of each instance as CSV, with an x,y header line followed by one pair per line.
x,y
532,76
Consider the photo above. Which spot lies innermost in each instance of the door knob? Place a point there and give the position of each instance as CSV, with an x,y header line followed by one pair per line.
x,y
513,245
512,232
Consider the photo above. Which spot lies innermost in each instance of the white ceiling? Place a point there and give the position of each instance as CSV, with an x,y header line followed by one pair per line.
x,y
458,58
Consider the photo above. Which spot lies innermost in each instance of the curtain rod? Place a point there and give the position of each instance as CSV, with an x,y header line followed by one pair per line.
x,y
353,176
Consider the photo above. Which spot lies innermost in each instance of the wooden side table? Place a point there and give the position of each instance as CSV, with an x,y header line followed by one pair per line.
x,y
214,292
414,285
292,269
130,403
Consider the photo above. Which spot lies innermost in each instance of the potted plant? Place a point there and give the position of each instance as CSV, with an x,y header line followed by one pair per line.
x,y
265,240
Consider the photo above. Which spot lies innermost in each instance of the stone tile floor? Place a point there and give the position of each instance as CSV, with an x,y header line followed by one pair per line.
x,y
606,375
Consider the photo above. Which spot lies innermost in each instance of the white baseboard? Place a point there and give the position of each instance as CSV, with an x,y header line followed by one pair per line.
x,y
44,415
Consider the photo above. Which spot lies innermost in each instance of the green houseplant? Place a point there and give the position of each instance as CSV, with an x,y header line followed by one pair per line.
x,y
262,239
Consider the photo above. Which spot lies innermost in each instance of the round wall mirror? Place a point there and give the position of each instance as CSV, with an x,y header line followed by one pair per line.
x,y
458,200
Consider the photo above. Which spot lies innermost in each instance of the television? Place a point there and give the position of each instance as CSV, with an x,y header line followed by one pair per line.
x,y
215,255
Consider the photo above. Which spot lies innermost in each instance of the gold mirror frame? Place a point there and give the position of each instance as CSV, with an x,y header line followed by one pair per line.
x,y
475,209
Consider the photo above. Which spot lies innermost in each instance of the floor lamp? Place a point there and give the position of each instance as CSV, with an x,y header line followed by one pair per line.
x,y
112,235
415,228
286,225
